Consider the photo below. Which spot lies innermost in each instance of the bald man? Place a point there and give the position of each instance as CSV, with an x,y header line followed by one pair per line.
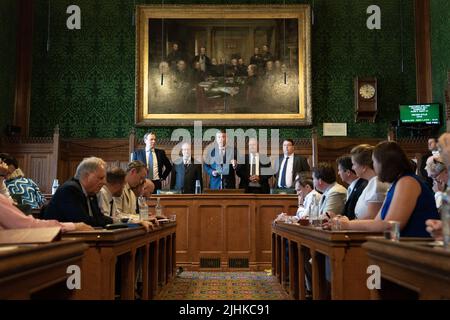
x,y
185,172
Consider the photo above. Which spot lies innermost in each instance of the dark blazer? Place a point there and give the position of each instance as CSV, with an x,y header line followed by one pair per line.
x,y
300,164
350,204
163,161
210,164
243,172
183,178
69,204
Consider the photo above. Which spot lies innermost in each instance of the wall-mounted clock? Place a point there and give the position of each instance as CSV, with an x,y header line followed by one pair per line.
x,y
366,98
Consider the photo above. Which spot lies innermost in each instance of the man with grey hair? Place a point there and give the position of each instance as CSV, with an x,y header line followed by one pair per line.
x,y
186,172
76,200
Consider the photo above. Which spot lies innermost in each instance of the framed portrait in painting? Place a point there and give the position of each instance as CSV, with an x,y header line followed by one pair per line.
x,y
236,65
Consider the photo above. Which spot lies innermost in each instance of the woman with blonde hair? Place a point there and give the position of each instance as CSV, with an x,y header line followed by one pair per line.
x,y
372,197
409,200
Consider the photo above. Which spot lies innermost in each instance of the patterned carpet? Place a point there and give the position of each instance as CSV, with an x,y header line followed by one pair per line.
x,y
223,286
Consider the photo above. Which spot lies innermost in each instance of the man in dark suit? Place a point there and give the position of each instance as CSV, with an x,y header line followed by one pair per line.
x,y
288,165
158,164
203,60
220,164
257,59
355,185
76,200
175,55
185,172
253,177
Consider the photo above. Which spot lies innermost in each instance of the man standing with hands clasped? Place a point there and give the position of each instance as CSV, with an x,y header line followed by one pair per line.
x,y
251,173
186,172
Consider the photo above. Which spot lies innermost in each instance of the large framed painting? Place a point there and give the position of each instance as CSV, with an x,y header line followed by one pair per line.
x,y
223,65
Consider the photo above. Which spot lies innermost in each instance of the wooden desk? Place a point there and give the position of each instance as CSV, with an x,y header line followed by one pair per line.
x,y
225,232
39,271
129,248
415,265
348,260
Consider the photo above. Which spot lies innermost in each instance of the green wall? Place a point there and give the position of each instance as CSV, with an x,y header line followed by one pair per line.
x,y
85,82
440,47
8,22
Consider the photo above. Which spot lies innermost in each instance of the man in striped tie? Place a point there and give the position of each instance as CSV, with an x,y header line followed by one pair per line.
x,y
156,161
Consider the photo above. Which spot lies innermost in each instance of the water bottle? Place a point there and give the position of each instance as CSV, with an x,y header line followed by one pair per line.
x,y
314,211
158,208
198,188
55,186
143,208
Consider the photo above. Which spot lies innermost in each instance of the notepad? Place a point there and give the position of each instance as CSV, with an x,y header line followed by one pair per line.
x,y
30,235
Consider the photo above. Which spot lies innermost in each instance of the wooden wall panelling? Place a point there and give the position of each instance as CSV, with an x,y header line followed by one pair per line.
x,y
239,220
39,167
303,147
268,210
43,152
36,158
113,151
225,226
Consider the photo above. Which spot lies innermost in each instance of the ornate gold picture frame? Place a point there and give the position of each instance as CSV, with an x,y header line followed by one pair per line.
x,y
223,65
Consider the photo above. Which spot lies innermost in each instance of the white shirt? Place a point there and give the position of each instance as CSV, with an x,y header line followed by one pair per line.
x,y
374,192
438,198
303,210
254,159
186,161
289,174
104,198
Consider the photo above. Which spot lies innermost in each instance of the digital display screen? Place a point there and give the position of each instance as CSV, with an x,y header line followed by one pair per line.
x,y
420,114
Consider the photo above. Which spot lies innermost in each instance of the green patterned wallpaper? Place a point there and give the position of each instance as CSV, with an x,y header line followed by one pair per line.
x,y
85,82
7,61
440,46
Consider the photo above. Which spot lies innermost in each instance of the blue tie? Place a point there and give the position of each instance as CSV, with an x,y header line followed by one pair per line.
x,y
283,174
